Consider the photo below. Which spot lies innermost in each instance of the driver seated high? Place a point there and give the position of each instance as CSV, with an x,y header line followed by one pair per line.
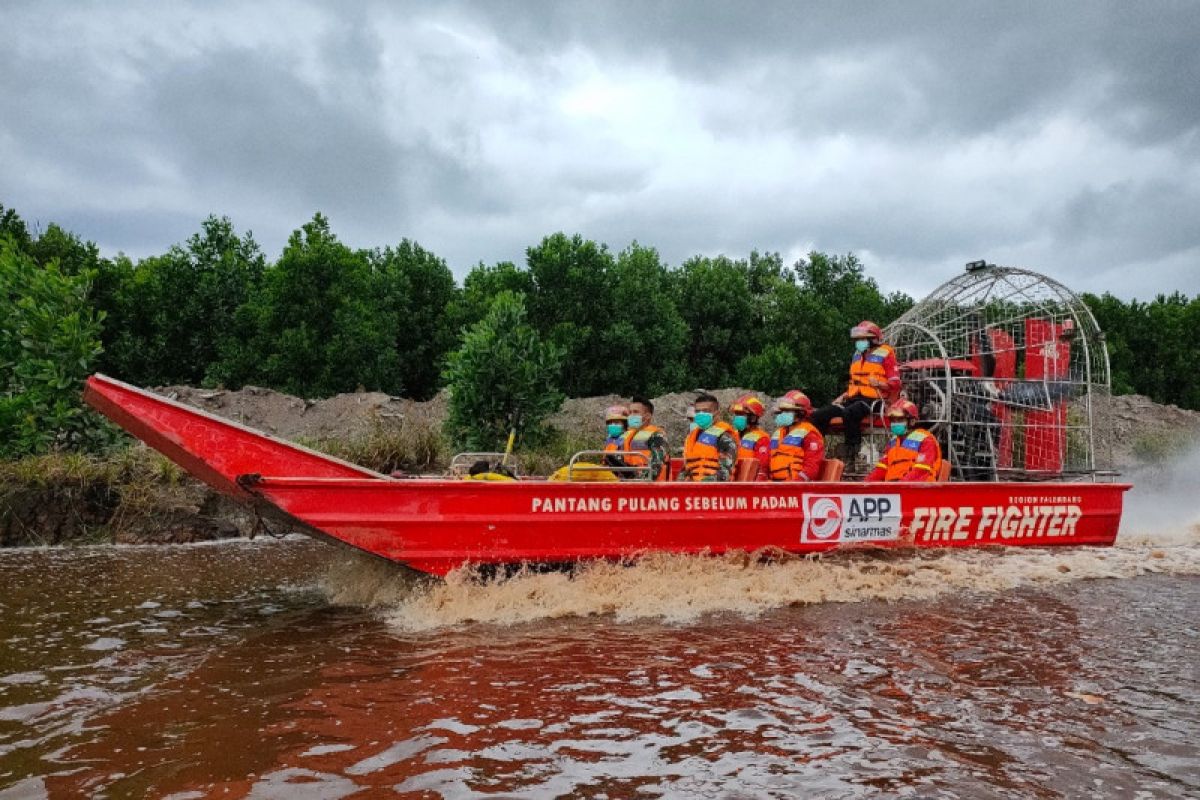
x,y
874,384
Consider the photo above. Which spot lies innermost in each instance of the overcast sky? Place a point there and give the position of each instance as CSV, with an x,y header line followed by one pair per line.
x,y
1063,137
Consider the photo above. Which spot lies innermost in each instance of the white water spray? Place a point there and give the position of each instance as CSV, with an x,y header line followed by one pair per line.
x,y
1160,533
1163,507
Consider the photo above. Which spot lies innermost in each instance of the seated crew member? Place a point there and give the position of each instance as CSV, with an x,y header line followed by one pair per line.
x,y
874,383
711,448
797,447
914,454
755,444
644,436
616,422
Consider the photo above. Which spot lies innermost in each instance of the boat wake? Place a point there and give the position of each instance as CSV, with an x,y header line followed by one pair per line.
x,y
1160,534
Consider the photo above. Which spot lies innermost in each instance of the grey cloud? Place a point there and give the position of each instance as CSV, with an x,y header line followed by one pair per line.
x,y
237,121
973,65
923,134
1148,220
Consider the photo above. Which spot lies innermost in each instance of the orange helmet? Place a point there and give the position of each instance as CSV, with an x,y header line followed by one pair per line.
x,y
748,404
616,412
867,330
795,400
904,408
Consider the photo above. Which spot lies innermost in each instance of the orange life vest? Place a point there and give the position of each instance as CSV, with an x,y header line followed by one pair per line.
x,y
865,366
638,441
614,443
749,440
700,454
901,457
787,451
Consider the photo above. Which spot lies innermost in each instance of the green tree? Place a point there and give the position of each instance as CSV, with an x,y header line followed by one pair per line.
x,y
719,308
808,316
12,226
322,322
170,315
481,287
1147,345
421,291
49,339
571,304
73,255
643,348
504,377
1116,320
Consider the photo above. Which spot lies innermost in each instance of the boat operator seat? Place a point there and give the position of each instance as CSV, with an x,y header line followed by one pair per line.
x,y
746,470
831,470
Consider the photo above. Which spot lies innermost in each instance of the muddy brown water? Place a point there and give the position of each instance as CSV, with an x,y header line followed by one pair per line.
x,y
264,669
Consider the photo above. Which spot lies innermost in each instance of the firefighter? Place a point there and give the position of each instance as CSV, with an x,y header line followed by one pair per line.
x,y
755,443
616,422
646,441
874,384
711,448
797,447
913,454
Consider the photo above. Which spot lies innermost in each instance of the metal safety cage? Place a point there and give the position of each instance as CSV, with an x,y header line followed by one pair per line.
x,y
1011,371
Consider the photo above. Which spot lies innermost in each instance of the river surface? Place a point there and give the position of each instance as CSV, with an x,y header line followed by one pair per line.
x,y
276,669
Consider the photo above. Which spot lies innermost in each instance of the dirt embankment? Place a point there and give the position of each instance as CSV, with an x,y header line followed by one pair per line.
x,y
1140,432
138,497
1145,434
340,417
348,415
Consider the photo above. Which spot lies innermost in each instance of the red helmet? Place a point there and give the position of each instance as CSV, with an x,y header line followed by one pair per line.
x,y
904,408
748,404
616,412
795,400
867,330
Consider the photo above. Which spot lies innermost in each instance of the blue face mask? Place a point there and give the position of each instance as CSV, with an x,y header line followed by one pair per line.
x,y
692,425
704,419
861,345
899,428
635,420
615,429
784,419
740,422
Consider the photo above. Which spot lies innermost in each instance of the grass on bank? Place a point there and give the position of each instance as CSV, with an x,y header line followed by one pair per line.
x,y
132,493
125,466
385,446
418,446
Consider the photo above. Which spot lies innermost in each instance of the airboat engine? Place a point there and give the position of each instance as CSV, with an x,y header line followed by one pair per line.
x,y
1011,372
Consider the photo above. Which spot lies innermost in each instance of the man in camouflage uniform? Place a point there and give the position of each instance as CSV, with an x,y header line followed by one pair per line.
x,y
646,441
711,449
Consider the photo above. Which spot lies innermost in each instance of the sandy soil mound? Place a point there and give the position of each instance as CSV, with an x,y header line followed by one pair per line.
x,y
1141,431
1144,432
292,417
586,414
347,414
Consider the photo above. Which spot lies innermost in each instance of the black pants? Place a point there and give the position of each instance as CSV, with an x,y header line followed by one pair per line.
x,y
852,414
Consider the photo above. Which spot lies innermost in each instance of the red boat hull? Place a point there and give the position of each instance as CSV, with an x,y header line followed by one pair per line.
x,y
438,525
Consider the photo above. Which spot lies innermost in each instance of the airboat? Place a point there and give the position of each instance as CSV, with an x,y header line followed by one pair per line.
x,y
1008,366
